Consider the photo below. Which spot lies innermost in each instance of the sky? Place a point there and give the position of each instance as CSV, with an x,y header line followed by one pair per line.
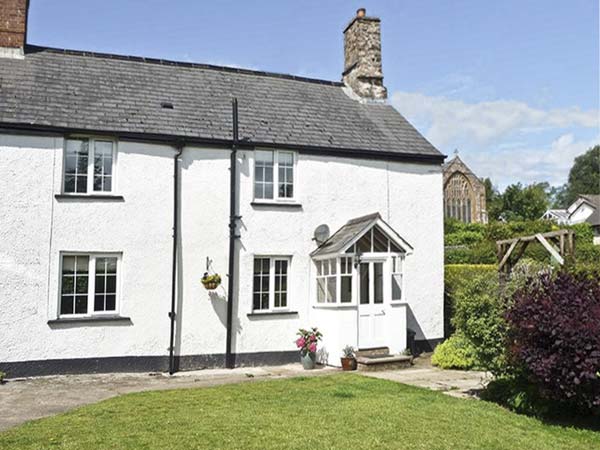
x,y
512,84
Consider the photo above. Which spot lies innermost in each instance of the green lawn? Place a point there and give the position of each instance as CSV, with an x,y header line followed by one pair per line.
x,y
333,412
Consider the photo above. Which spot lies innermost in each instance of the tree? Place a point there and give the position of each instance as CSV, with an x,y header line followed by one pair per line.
x,y
584,177
525,203
558,196
493,200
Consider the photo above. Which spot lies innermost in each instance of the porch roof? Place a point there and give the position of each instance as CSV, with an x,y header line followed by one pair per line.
x,y
348,234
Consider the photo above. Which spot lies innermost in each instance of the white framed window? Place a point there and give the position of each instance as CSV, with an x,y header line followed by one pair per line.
x,y
89,165
334,280
274,175
89,284
270,283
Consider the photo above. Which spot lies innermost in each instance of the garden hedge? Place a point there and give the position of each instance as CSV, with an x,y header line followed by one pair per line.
x,y
474,243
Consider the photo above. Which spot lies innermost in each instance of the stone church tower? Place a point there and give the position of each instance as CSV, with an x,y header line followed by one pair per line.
x,y
464,193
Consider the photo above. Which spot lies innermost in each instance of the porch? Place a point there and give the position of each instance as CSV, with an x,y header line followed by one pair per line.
x,y
359,289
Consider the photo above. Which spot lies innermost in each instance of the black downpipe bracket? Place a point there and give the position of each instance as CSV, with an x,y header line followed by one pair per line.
x,y
233,217
179,148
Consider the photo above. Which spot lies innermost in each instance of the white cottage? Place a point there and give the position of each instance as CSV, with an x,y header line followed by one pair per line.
x,y
125,179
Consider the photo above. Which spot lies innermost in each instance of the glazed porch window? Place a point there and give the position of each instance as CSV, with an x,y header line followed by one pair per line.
x,y
334,275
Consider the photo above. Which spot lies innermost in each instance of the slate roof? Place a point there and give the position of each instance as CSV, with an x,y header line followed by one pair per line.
x,y
83,91
341,239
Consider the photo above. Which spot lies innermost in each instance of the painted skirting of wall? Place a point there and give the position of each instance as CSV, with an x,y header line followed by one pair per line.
x,y
124,364
140,363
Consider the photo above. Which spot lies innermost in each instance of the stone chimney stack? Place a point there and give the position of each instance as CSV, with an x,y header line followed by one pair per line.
x,y
362,56
13,27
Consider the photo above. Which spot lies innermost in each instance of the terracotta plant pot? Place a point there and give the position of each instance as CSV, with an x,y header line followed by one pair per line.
x,y
348,364
308,360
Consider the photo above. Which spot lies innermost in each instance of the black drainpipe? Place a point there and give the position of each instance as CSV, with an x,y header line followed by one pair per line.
x,y
179,147
229,356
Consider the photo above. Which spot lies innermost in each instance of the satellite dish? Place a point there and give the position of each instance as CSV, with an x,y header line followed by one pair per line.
x,y
321,234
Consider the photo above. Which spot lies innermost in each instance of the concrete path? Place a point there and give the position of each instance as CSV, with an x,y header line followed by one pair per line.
x,y
33,398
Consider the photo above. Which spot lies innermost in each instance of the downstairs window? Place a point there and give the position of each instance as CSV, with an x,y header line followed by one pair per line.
x,y
270,283
88,284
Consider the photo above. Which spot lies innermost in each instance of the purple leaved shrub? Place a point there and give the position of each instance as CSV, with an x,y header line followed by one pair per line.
x,y
554,331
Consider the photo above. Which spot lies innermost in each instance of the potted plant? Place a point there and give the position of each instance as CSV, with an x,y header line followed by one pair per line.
x,y
307,343
211,282
348,360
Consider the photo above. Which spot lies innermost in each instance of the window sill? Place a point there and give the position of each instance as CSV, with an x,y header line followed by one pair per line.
x,y
398,303
335,306
260,203
116,198
272,313
91,319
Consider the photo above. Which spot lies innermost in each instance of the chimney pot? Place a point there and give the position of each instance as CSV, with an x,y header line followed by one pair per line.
x,y
361,12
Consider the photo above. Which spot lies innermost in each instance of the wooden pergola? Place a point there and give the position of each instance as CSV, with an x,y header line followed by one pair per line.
x,y
559,244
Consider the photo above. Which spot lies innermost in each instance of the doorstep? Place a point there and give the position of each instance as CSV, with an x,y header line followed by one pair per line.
x,y
380,363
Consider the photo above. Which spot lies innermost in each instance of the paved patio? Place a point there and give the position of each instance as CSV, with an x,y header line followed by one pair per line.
x,y
33,398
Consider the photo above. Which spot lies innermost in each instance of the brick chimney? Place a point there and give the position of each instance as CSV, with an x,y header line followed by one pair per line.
x,y
13,27
362,56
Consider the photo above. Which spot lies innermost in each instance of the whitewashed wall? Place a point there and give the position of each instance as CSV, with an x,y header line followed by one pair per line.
x,y
35,227
332,191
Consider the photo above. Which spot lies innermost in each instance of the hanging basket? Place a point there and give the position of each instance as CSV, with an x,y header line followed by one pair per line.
x,y
211,282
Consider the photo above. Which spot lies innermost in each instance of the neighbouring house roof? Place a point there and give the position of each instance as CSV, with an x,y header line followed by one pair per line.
x,y
82,91
559,214
594,201
348,234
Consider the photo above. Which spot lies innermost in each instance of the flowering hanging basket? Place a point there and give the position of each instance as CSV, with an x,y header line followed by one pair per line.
x,y
211,282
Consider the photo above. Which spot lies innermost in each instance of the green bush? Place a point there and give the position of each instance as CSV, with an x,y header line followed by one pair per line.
x,y
585,269
496,231
587,254
464,238
483,252
2,376
456,275
456,226
455,353
478,315
583,233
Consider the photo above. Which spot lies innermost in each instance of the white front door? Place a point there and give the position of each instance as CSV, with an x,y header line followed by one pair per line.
x,y
371,305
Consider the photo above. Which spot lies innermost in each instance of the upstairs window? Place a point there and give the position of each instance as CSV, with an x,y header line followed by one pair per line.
x,y
274,175
270,285
89,166
88,284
